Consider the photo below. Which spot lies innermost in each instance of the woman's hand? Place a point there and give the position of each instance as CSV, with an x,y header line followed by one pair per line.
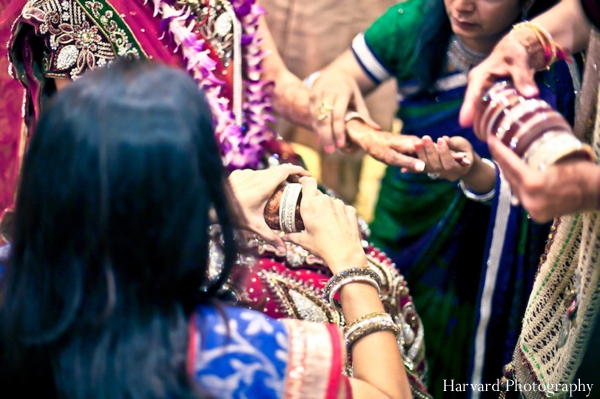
x,y
515,56
567,187
331,229
252,189
389,148
449,158
339,87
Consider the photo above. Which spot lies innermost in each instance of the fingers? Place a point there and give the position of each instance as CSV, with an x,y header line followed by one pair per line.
x,y
321,119
329,123
431,153
271,238
396,149
460,149
508,59
309,187
447,157
524,81
297,238
407,163
338,123
441,157
284,171
478,84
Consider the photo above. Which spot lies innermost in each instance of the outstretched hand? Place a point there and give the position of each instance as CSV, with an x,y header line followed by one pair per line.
x,y
331,229
252,189
389,148
450,158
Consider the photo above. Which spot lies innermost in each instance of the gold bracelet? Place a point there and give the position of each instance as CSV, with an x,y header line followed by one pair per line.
x,y
544,37
354,274
369,326
362,318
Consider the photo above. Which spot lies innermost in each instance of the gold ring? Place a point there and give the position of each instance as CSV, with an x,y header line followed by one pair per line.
x,y
323,111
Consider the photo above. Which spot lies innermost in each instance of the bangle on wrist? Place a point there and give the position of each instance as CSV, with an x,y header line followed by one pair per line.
x,y
552,51
479,197
368,324
352,275
310,80
350,145
353,115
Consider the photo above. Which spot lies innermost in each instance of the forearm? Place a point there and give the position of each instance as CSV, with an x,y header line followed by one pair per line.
x,y
376,357
347,65
291,99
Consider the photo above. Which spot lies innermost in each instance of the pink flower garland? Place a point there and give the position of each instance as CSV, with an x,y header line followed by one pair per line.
x,y
241,146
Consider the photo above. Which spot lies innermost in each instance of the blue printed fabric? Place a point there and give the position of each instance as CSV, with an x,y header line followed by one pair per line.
x,y
240,353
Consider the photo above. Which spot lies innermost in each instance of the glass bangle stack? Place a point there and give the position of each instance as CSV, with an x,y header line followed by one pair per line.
x,y
529,126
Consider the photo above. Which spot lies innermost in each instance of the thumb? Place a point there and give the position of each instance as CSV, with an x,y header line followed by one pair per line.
x,y
524,83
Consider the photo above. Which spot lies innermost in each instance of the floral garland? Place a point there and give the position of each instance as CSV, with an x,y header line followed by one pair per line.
x,y
241,146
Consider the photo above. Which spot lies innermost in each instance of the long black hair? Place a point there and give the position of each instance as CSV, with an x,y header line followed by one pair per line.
x,y
434,37
111,241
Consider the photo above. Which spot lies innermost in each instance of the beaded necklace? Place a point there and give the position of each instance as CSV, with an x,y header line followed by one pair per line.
x,y
461,57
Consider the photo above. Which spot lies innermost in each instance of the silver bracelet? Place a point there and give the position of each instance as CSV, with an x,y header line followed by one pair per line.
x,y
310,80
287,207
479,197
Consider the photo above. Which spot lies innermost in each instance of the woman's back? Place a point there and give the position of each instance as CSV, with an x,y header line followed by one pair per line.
x,y
112,215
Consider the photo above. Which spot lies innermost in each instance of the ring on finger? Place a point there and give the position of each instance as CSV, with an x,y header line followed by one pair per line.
x,y
323,111
433,176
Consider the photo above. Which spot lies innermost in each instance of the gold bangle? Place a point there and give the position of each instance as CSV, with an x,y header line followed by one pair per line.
x,y
363,317
544,37
369,326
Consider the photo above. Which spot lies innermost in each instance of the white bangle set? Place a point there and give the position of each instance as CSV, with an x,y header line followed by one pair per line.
x,y
287,207
479,197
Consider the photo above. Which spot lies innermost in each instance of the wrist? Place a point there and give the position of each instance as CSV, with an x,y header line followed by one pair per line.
x,y
592,180
356,259
480,182
533,47
550,50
